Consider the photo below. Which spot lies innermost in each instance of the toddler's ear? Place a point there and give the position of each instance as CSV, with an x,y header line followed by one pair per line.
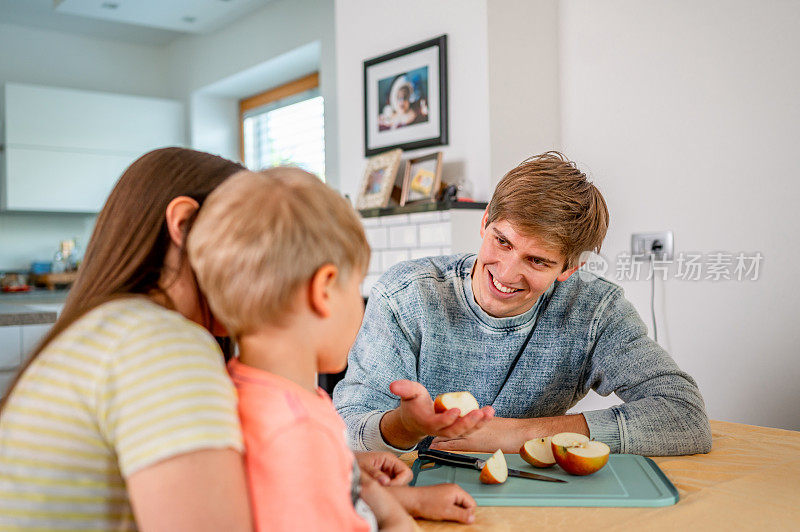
x,y
322,283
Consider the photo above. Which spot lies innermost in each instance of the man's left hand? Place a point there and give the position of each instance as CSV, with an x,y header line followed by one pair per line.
x,y
386,468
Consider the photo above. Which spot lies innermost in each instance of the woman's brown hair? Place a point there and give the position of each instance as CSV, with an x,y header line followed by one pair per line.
x,y
126,252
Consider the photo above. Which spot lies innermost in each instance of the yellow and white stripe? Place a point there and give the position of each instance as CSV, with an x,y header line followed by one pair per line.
x,y
127,385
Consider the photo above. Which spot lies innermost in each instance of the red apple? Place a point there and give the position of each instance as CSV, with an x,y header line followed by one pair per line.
x,y
538,452
577,454
495,471
464,401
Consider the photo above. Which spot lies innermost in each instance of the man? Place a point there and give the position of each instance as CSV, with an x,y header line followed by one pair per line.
x,y
515,327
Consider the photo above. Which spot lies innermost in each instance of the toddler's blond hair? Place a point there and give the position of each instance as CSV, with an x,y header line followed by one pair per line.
x,y
260,236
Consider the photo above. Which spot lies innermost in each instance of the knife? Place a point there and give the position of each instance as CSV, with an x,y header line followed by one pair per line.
x,y
470,462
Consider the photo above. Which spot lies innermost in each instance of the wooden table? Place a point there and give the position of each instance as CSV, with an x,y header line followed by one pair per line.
x,y
749,481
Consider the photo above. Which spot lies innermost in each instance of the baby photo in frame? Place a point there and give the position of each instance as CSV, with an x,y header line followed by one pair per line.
x,y
405,98
422,179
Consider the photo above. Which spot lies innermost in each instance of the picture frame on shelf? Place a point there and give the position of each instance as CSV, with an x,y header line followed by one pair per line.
x,y
405,98
378,181
422,179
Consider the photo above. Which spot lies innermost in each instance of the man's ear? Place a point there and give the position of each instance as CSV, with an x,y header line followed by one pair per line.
x,y
566,273
320,289
483,222
179,211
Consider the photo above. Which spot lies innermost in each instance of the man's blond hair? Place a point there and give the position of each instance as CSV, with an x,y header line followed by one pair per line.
x,y
548,197
260,236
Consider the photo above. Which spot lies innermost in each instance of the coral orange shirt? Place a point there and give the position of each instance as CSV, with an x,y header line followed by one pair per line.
x,y
301,475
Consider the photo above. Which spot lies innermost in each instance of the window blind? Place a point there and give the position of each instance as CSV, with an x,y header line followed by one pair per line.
x,y
290,131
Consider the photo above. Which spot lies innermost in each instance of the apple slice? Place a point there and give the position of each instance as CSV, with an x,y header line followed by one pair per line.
x,y
538,452
464,401
495,471
578,455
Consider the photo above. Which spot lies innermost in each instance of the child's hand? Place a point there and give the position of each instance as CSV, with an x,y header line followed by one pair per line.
x,y
442,502
389,512
386,468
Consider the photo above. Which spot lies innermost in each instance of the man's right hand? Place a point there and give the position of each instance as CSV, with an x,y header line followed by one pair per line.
x,y
414,419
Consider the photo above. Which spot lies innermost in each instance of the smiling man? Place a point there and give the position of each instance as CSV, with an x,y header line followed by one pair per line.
x,y
517,329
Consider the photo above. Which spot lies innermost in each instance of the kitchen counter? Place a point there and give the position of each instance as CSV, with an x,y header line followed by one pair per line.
x,y
37,307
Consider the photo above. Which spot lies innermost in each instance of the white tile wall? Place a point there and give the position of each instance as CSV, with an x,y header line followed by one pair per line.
x,y
392,257
436,234
426,252
402,237
378,237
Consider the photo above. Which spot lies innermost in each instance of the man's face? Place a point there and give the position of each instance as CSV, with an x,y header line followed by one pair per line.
x,y
512,270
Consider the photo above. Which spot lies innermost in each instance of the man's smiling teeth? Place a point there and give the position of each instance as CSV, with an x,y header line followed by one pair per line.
x,y
503,288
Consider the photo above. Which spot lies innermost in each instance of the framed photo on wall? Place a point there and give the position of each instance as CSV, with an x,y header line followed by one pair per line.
x,y
378,182
405,98
422,179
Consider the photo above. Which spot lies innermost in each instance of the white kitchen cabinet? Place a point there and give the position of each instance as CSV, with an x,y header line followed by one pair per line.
x,y
31,335
90,177
10,347
5,380
64,149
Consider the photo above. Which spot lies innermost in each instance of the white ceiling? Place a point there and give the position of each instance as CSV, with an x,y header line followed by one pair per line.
x,y
155,22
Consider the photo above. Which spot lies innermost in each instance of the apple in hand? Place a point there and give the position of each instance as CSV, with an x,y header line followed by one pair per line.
x,y
464,401
538,452
495,471
577,454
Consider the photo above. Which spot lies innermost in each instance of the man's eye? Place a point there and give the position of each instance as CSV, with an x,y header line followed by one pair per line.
x,y
502,242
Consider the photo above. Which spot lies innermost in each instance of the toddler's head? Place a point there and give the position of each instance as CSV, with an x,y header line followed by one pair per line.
x,y
266,243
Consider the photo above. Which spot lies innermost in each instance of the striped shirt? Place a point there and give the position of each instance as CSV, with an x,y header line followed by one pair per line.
x,y
128,384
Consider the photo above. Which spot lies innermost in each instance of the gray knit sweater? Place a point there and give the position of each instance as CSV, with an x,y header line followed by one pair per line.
x,y
422,323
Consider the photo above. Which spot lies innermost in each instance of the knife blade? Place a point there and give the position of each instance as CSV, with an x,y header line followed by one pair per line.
x,y
471,462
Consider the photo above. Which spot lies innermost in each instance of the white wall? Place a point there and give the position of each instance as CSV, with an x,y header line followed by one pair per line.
x,y
524,110
687,115
200,62
369,28
63,60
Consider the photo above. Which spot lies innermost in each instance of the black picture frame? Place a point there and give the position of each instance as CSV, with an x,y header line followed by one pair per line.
x,y
387,126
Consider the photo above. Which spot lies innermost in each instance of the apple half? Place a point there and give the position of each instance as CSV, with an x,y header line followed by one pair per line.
x,y
538,452
464,401
495,471
577,454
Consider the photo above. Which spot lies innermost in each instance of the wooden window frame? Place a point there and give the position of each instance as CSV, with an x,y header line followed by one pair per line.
x,y
291,88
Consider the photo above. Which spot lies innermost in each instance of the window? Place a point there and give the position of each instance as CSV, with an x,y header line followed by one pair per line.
x,y
285,126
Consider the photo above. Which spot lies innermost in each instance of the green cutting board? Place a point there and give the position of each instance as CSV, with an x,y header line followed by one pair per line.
x,y
627,480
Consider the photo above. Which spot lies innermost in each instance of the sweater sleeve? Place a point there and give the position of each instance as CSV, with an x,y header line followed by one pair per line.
x,y
382,353
663,413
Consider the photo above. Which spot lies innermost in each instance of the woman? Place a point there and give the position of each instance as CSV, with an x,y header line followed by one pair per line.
x,y
124,415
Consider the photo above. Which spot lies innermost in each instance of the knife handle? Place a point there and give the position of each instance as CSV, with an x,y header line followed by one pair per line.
x,y
444,457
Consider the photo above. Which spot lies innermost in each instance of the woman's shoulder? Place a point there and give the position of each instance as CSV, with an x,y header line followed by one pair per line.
x,y
139,313
124,322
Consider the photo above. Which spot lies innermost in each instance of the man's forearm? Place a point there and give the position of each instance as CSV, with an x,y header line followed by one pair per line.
x,y
540,427
508,434
522,430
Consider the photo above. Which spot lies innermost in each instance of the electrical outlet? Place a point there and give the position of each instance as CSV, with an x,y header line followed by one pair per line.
x,y
642,245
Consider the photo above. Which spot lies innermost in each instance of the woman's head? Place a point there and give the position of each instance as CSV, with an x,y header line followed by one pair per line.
x,y
127,253
131,238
